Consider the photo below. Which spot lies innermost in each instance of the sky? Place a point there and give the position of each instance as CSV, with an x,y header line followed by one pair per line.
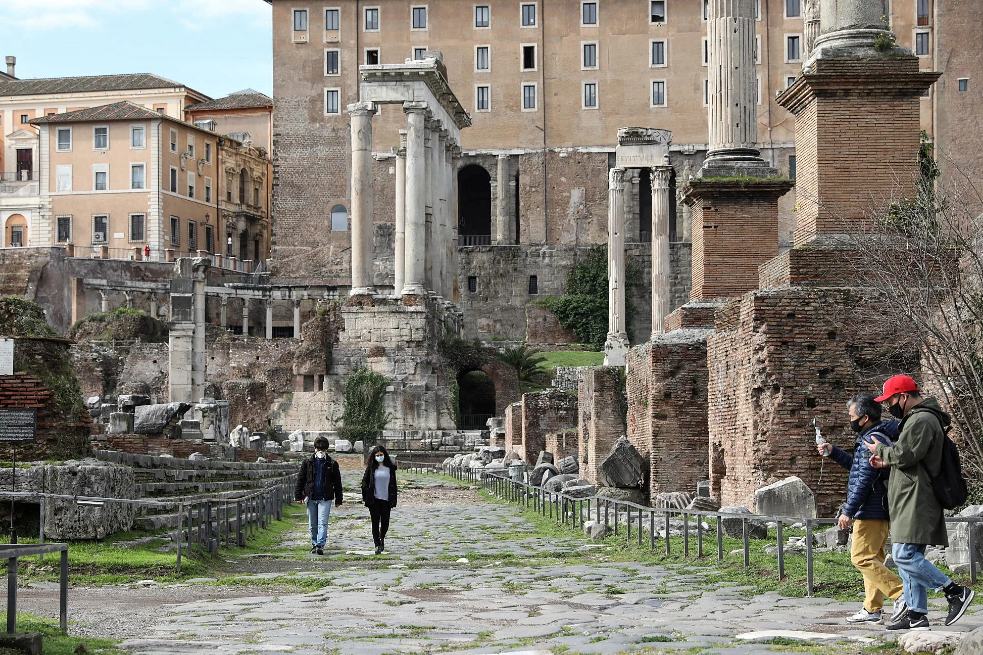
x,y
213,46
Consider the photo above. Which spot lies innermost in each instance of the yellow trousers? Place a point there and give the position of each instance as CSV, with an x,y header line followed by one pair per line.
x,y
867,555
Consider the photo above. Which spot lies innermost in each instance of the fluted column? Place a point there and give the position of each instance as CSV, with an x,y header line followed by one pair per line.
x,y
616,345
428,145
661,282
416,236
810,15
400,239
454,154
361,116
503,230
440,210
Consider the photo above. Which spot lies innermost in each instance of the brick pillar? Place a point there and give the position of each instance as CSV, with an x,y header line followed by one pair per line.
x,y
599,417
513,427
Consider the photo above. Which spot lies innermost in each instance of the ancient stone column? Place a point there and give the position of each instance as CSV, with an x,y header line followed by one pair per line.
x,y
153,305
104,301
810,18
361,116
245,317
416,236
661,282
400,239
616,345
224,312
296,319
428,146
503,226
846,25
199,273
733,114
269,318
455,217
440,211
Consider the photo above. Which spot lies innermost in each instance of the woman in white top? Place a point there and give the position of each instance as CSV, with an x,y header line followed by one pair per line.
x,y
379,493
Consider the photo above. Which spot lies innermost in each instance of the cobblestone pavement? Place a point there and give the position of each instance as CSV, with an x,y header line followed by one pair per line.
x,y
450,582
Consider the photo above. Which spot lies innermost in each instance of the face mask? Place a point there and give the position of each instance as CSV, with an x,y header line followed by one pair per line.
x,y
855,424
320,454
380,458
897,410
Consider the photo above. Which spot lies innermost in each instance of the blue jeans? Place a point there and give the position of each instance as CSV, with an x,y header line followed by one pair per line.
x,y
918,574
318,512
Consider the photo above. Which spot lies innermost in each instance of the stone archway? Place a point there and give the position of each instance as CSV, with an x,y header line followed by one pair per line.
x,y
15,231
474,206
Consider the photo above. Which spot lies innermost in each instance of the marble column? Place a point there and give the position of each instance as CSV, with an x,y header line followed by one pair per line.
x,y
616,346
245,317
296,319
129,299
416,236
269,318
199,356
455,212
440,211
400,238
153,304
503,226
104,301
361,116
224,313
661,282
428,145
733,113
810,16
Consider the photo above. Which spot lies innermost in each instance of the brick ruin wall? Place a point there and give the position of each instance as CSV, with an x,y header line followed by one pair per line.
x,y
778,359
513,427
599,420
542,413
561,444
56,435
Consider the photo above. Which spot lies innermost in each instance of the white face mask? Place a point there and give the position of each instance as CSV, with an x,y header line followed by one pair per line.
x,y
320,454
380,458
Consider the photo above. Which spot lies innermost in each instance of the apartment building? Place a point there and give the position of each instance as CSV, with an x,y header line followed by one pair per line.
x,y
246,112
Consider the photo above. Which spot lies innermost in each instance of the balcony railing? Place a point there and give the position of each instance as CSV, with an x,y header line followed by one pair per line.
x,y
474,240
137,253
18,176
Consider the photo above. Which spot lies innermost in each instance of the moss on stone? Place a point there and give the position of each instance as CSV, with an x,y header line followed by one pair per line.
x,y
120,325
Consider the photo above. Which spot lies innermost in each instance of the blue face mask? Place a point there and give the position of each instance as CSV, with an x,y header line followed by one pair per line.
x,y
380,458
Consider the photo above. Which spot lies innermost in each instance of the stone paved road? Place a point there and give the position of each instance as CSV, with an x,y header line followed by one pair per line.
x,y
559,596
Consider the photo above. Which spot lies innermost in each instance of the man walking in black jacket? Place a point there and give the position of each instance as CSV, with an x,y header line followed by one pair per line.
x,y
318,483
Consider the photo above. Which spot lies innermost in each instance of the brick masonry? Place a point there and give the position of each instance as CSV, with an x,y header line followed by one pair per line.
x,y
513,427
542,413
600,421
562,444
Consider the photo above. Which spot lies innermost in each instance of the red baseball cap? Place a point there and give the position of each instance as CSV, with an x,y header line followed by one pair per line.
x,y
897,384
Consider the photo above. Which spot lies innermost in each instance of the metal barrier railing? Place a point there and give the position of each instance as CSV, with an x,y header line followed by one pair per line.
x,y
569,510
211,522
11,552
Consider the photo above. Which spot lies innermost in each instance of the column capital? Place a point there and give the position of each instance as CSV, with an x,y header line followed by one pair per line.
x,y
616,179
224,300
414,107
402,142
296,303
361,109
661,175
434,124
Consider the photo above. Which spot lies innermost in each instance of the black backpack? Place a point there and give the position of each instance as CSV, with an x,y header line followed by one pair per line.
x,y
949,485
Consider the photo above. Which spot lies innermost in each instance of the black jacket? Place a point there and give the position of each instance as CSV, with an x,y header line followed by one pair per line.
x,y
332,480
368,484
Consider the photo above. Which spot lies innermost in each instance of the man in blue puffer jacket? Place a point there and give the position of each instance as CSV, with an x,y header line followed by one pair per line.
x,y
866,508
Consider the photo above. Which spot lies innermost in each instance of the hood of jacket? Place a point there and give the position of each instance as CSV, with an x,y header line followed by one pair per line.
x,y
891,428
930,405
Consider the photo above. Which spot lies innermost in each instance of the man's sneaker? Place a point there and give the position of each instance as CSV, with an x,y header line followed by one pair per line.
x,y
313,550
320,550
900,609
909,623
863,616
958,602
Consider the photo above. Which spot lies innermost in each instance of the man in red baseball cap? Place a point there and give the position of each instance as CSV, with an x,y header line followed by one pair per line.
x,y
917,520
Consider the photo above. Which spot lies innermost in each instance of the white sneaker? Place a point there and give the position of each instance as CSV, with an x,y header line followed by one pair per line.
x,y
863,616
900,609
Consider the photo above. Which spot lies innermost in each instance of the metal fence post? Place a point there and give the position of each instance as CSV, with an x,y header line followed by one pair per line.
x,y
720,538
651,530
668,547
685,534
972,552
12,595
699,535
240,538
747,546
63,592
639,527
180,529
627,523
809,557
781,553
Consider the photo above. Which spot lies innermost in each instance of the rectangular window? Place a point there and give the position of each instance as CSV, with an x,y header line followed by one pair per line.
x,y
191,185
332,20
705,51
482,16
100,180
590,95
173,140
791,167
419,54
921,43
64,139
419,18
588,13
24,119
100,229
659,93
964,85
255,197
706,9
331,101
208,153
658,53
100,138
371,19
482,59
173,180
137,227
533,285
175,231
64,178
192,236
757,49
300,20
528,97
589,59
138,176
528,57
792,9
789,80
191,146
64,229
528,15
657,11
793,48
208,189
924,12
209,238
332,60
138,137
371,56
482,98
472,284
706,93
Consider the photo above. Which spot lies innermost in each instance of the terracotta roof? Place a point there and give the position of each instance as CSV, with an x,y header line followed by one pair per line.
x,y
246,99
87,84
118,111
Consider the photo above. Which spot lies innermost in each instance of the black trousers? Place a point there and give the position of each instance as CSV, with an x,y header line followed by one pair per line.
x,y
379,511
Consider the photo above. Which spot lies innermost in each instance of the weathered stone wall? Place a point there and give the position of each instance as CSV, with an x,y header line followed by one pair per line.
x,y
513,427
600,422
567,378
542,413
543,327
561,444
779,359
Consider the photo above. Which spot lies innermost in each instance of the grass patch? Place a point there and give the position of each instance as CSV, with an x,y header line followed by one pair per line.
x,y
56,642
551,360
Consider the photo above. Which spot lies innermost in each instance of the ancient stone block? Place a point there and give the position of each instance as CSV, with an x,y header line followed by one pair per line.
x,y
624,467
625,495
542,470
159,419
734,526
555,482
789,497
568,465
957,555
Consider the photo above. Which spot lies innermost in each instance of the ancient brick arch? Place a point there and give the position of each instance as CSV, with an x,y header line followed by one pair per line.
x,y
505,380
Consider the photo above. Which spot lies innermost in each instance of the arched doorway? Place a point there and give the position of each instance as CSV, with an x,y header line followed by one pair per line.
x,y
475,206
243,184
15,231
476,399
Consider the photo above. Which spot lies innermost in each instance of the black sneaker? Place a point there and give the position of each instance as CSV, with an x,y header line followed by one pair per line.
x,y
313,550
378,550
910,623
958,602
320,550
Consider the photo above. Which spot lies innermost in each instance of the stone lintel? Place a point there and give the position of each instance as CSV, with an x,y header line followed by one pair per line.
x,y
728,187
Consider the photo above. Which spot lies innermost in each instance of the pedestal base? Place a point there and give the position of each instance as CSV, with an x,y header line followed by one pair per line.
x,y
615,349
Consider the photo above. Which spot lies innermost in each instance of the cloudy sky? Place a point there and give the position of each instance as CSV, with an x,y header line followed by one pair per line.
x,y
213,46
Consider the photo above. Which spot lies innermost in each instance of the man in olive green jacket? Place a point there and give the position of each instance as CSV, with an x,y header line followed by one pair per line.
x,y
917,520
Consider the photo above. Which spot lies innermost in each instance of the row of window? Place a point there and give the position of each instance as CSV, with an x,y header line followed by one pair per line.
x,y
533,284
137,230
190,189
100,177
100,138
173,146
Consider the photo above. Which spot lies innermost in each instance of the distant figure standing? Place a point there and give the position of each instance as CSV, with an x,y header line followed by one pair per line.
x,y
379,493
318,483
